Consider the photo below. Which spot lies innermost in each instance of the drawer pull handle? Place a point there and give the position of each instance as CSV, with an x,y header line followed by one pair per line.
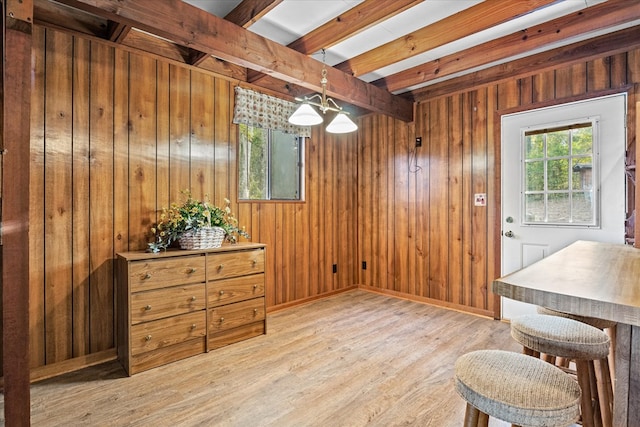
x,y
146,276
147,338
193,298
254,262
221,266
193,326
255,311
191,270
147,307
221,319
221,292
255,287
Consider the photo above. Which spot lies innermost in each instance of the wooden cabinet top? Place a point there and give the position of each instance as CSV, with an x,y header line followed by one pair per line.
x,y
143,255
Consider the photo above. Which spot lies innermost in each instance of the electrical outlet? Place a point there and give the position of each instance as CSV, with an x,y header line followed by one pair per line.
x,y
335,268
418,141
364,265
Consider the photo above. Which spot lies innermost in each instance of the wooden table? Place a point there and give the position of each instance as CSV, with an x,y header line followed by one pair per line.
x,y
599,280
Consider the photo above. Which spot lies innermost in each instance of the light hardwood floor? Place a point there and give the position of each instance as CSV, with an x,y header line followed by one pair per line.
x,y
353,359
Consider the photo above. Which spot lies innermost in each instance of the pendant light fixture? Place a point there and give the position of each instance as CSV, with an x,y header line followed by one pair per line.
x,y
305,115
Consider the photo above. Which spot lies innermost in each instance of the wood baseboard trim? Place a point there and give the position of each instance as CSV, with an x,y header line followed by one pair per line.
x,y
307,300
430,301
49,371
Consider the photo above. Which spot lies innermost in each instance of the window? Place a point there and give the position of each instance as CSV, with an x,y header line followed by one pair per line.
x,y
270,164
559,178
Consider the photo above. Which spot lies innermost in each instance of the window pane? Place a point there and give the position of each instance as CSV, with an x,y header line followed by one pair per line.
x,y
582,141
583,208
252,160
558,174
534,176
559,208
534,208
534,146
582,178
558,143
285,176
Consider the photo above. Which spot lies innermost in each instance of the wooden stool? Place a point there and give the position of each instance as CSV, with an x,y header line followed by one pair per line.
x,y
609,326
515,388
581,343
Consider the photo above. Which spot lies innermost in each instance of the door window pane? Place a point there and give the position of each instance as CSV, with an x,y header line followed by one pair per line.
x,y
559,176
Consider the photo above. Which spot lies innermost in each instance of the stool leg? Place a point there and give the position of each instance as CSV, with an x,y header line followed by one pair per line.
x,y
582,369
605,392
471,416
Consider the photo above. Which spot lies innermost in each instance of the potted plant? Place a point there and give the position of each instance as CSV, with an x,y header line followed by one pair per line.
x,y
195,224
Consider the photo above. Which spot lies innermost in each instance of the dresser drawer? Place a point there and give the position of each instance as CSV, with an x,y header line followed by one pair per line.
x,y
166,302
232,264
228,291
166,332
234,315
152,274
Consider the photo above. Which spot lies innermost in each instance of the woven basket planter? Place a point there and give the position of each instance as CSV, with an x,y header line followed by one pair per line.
x,y
204,238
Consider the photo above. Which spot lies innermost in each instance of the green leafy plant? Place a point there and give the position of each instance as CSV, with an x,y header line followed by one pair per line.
x,y
193,215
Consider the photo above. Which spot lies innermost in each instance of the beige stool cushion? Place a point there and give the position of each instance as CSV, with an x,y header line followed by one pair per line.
x,y
560,336
593,321
516,388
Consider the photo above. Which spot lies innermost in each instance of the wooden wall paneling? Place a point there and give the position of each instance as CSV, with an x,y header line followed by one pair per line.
x,y
439,200
493,196
618,67
163,140
80,197
225,165
365,199
179,131
268,236
526,90
101,202
352,244
455,280
328,222
312,202
633,66
58,197
467,198
571,81
287,216
544,86
508,94
142,149
423,222
598,74
36,203
479,138
388,199
121,152
201,146
403,143
378,201
302,249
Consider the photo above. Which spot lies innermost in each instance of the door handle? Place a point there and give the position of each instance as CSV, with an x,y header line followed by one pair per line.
x,y
509,234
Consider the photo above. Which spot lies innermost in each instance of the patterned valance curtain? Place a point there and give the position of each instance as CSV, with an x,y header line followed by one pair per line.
x,y
265,111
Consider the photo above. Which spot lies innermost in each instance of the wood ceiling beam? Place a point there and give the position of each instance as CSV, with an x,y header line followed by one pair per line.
x,y
603,15
587,50
349,23
192,27
117,32
248,12
462,24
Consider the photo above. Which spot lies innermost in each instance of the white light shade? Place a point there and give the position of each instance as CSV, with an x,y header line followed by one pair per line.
x,y
341,124
305,115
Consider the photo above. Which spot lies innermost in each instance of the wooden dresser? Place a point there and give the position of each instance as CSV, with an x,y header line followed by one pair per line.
x,y
179,303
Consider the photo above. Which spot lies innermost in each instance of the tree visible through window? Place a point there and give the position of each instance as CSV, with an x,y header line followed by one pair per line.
x,y
558,176
269,164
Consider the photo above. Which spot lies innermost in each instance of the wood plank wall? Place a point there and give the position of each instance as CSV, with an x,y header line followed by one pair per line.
x,y
419,232
116,135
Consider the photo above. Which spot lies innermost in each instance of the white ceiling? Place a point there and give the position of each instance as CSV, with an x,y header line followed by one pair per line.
x,y
291,19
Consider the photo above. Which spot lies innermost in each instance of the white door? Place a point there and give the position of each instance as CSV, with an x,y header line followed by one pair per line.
x,y
562,180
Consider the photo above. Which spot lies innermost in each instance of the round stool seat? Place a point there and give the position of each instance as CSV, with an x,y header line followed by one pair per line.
x,y
593,321
560,336
517,388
